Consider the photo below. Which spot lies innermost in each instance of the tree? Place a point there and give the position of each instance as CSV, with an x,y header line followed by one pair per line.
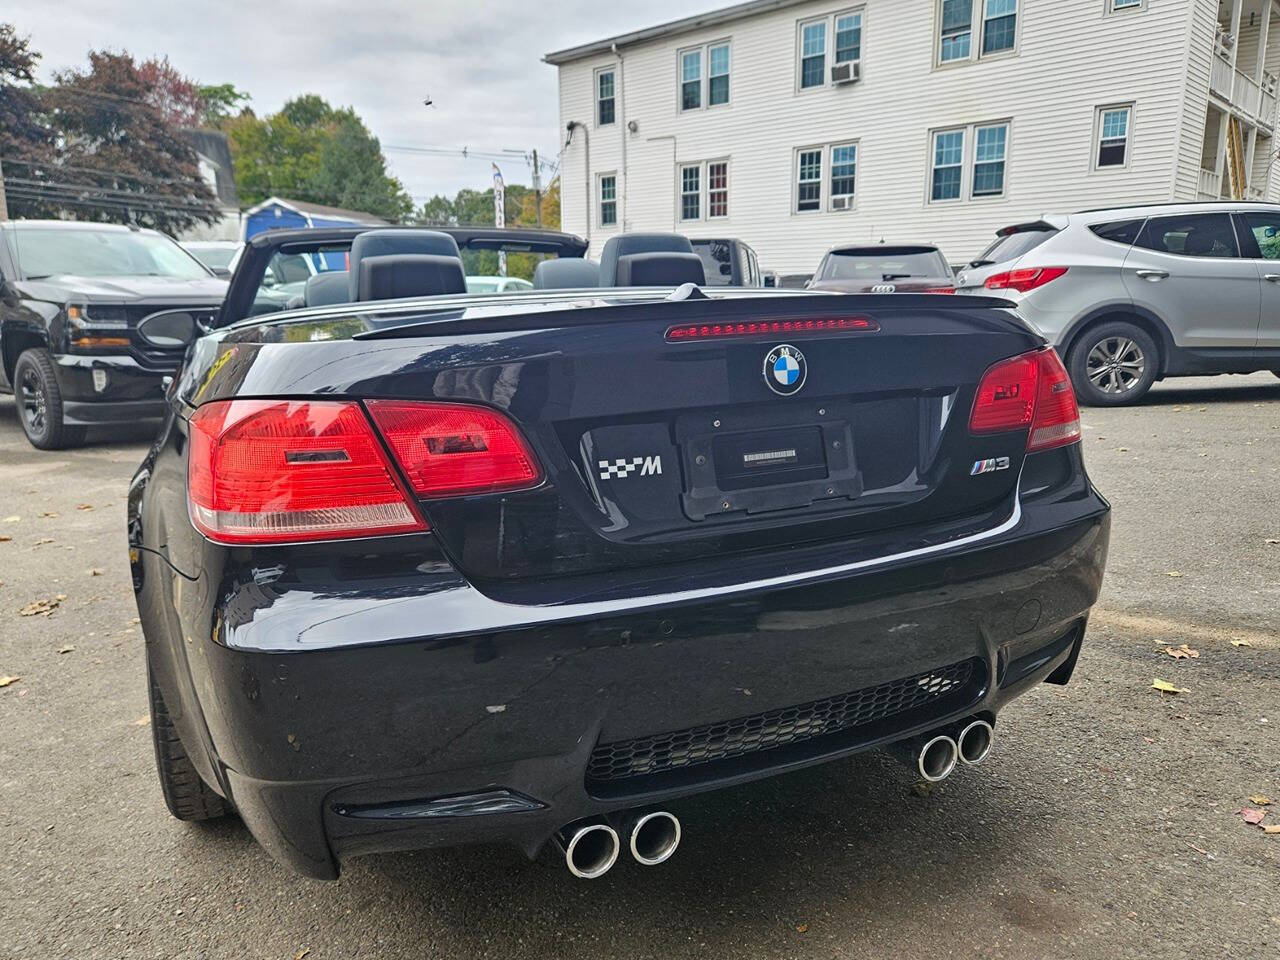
x,y
219,102
177,97
311,151
120,160
475,208
26,143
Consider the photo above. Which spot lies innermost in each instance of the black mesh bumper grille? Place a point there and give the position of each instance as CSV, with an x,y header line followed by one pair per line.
x,y
775,728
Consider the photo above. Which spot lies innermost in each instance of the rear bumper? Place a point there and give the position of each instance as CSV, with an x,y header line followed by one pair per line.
x,y
130,392
489,737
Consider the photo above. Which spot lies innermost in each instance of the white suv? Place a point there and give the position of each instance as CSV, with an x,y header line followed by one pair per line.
x,y
1132,295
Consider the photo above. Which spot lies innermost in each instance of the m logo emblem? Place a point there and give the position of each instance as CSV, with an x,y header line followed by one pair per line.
x,y
625,466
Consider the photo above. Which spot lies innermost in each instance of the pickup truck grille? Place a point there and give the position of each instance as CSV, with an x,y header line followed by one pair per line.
x,y
644,756
161,359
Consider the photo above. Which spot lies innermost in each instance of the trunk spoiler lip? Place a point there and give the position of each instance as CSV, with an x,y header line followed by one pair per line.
x,y
538,309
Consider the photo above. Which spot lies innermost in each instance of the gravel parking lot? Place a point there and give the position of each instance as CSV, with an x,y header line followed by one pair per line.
x,y
1106,825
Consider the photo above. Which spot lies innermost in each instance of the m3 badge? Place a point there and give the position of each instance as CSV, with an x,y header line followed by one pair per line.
x,y
989,466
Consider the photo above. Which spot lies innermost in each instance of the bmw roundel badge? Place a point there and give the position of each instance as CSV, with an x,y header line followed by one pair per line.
x,y
785,370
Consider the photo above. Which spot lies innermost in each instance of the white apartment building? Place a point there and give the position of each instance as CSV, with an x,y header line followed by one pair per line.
x,y
799,124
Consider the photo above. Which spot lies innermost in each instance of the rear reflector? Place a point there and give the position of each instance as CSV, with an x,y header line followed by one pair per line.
x,y
452,449
284,471
755,328
1028,391
1024,280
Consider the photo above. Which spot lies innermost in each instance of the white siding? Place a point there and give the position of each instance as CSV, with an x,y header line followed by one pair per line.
x,y
1072,56
1192,148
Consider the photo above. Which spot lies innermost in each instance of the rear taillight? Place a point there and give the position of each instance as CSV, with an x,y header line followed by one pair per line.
x,y
755,328
1028,392
1024,280
452,449
283,471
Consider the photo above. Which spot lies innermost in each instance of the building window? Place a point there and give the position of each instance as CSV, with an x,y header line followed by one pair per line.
x,y
608,199
691,80
957,30
717,189
948,164
988,160
1113,136
956,18
605,103
809,180
1126,4
718,75
813,54
999,25
844,175
848,37
691,192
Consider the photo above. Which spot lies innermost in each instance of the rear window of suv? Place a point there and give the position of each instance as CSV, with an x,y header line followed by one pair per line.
x,y
1010,246
1119,231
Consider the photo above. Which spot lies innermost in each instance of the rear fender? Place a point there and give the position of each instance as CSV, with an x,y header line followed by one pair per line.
x,y
1130,313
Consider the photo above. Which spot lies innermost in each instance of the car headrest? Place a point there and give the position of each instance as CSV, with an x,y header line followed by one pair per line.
x,y
384,243
627,244
1199,242
566,273
660,270
326,288
410,275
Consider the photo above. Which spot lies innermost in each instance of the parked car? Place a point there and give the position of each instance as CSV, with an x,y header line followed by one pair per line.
x,y
884,268
482,284
218,255
728,263
71,297
434,568
1132,295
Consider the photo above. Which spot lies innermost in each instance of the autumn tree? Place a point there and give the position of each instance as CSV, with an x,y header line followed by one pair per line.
x,y
123,162
176,96
26,143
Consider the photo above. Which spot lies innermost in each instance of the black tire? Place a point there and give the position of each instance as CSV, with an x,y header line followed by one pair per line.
x,y
1113,364
35,388
186,794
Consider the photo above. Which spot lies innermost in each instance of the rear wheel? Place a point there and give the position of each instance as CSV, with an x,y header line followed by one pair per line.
x,y
35,387
186,794
1113,364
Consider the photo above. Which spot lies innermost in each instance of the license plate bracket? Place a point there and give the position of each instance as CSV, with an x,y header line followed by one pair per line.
x,y
760,460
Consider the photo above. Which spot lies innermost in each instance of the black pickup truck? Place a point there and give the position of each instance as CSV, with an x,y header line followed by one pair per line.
x,y
71,297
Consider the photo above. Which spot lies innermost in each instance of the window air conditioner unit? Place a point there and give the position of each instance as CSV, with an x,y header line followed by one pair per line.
x,y
840,203
849,72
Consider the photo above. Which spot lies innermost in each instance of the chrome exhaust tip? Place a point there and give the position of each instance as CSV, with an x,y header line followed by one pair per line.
x,y
974,742
590,850
654,837
937,758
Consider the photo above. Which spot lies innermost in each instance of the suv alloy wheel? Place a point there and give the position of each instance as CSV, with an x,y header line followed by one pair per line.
x,y
1113,364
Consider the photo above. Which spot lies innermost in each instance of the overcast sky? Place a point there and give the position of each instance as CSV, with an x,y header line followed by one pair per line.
x,y
480,61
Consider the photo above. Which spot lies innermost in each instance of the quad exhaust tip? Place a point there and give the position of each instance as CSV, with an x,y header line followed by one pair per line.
x,y
937,758
654,837
974,742
590,850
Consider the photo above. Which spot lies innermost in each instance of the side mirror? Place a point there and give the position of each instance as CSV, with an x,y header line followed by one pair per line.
x,y
170,328
1269,232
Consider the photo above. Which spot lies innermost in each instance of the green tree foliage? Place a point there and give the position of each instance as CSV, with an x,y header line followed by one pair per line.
x,y
313,152
475,208
26,143
219,102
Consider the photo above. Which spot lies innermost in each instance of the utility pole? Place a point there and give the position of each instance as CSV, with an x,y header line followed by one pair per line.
x,y
4,205
537,188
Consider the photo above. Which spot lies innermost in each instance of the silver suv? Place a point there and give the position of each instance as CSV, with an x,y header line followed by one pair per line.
x,y
1132,295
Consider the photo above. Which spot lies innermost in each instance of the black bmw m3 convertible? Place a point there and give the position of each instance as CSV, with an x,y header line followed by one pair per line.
x,y
419,568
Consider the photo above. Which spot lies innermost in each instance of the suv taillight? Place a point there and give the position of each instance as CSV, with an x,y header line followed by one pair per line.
x,y
1032,391
1025,280
288,471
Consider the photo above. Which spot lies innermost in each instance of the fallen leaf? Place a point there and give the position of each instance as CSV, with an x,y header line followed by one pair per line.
x,y
1271,828
43,540
1164,686
5,538
1251,815
1241,643
143,720
1172,573
301,953
496,708
1149,739
84,506
46,607
13,519
66,648
1273,539
1124,449
7,680
1182,653
1258,800
802,928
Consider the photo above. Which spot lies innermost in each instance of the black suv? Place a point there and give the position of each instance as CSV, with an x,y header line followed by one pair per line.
x,y
71,297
